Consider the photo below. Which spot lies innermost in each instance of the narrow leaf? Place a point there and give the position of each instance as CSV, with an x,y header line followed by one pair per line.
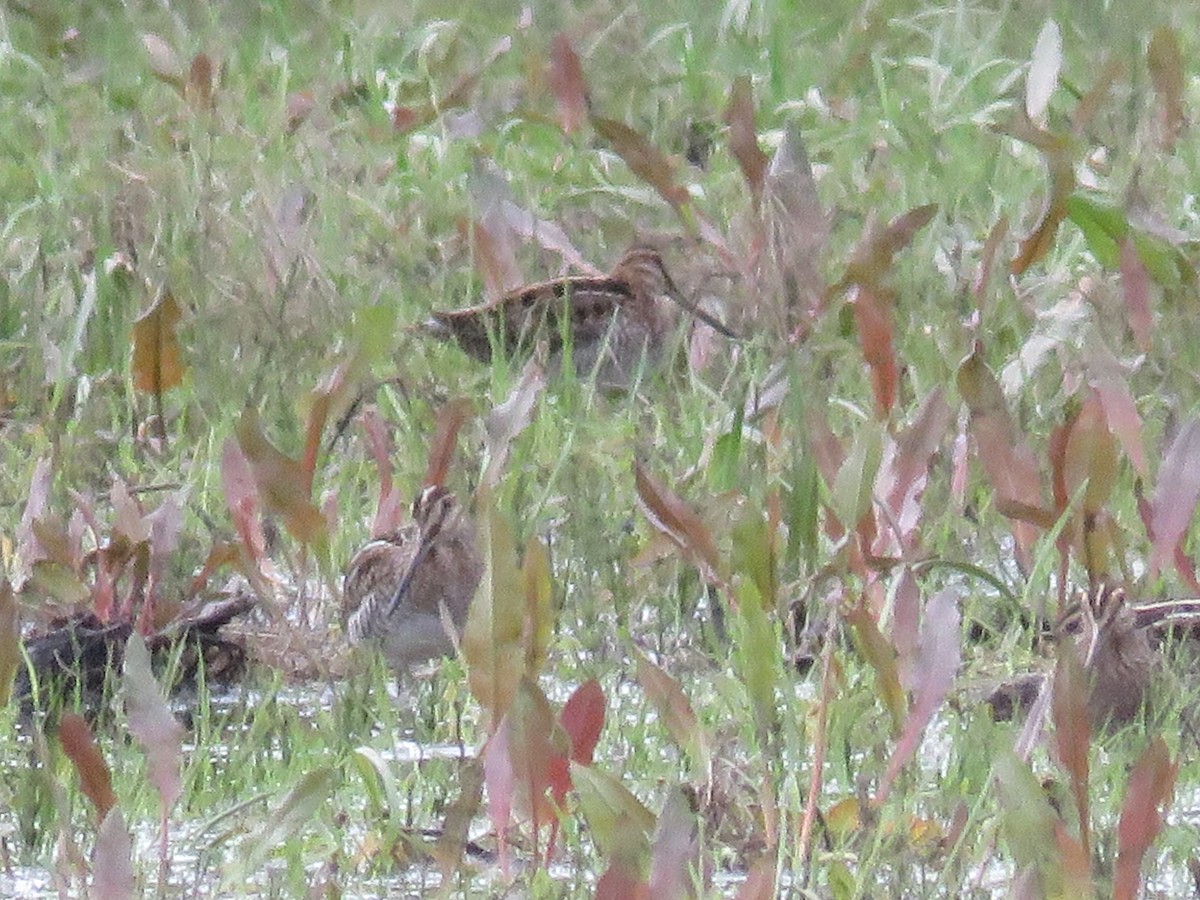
x,y
94,778
1135,287
645,160
676,713
538,590
1009,465
10,641
743,138
282,483
507,420
1073,732
678,522
112,861
568,83
874,322
1168,74
675,859
1044,66
1151,788
939,655
492,640
618,822
157,359
1175,496
152,724
450,419
582,719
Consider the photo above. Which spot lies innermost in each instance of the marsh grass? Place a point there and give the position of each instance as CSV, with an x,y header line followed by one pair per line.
x,y
293,246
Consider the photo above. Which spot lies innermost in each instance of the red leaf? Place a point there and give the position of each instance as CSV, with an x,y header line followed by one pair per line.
x,y
201,82
1175,496
282,482
80,747
582,718
1151,786
1107,376
1073,732
618,883
237,482
568,83
11,657
760,880
678,522
1059,158
645,160
873,318
904,470
743,138
1008,463
676,713
501,780
389,511
450,419
1168,75
1090,454
494,256
1135,284
906,627
939,653
872,258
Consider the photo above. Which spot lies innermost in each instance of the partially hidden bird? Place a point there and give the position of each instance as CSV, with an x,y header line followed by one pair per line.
x,y
612,322
1116,640
409,591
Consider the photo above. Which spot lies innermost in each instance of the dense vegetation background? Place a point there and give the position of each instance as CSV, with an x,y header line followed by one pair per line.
x,y
958,245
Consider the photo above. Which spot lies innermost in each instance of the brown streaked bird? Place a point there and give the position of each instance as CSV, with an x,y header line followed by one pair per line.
x,y
613,320
396,586
1115,638
1117,643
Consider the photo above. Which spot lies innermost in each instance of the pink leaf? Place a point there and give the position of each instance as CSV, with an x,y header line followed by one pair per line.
x,y
675,858
939,655
501,784
1107,377
1135,282
112,862
1175,495
29,549
151,723
242,500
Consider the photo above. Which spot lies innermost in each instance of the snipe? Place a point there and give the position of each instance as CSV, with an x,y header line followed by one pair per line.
x,y
1117,643
613,321
397,586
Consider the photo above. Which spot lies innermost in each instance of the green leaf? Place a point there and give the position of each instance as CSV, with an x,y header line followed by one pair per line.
x,y
285,820
851,490
758,656
618,822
